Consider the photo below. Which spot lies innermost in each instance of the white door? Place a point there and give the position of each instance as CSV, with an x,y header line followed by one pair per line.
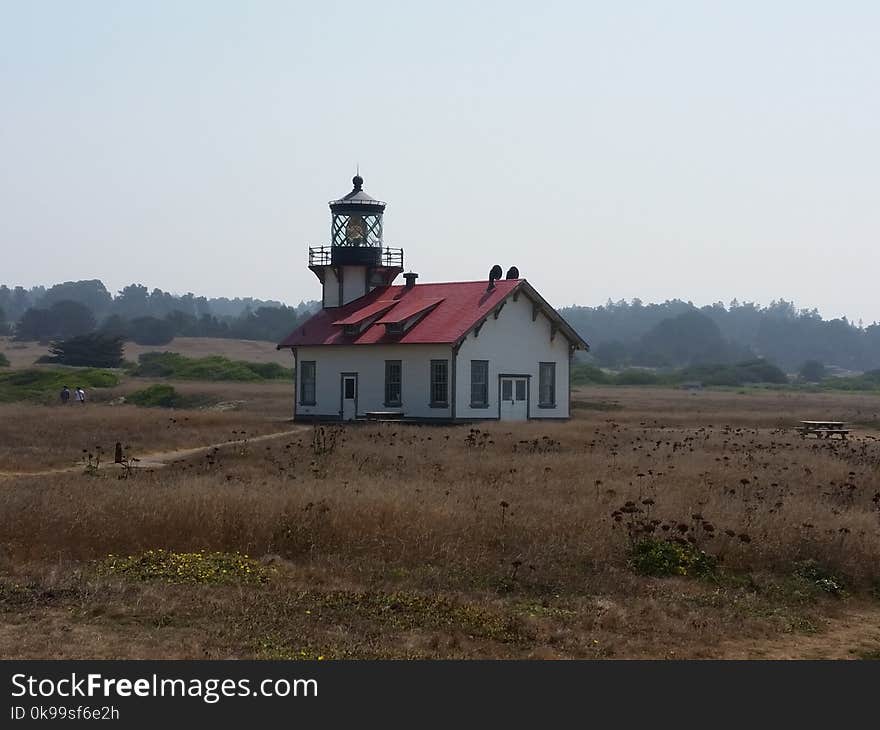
x,y
514,398
349,397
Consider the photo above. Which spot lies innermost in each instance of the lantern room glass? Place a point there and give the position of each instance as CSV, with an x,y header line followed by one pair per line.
x,y
356,229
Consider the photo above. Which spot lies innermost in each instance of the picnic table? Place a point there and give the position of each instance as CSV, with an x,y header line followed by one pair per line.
x,y
824,429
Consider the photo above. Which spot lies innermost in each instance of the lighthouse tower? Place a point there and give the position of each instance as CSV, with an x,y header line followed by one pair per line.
x,y
356,261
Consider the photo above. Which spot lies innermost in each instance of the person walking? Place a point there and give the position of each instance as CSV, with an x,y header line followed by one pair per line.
x,y
80,395
65,395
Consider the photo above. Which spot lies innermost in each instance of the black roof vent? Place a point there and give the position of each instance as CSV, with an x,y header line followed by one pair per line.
x,y
495,273
410,278
512,273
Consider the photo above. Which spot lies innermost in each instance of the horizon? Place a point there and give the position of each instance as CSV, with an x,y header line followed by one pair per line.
x,y
608,152
114,292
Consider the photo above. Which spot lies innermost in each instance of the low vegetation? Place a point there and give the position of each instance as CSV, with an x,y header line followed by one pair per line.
x,y
739,374
194,567
4,361
157,396
44,385
216,367
699,526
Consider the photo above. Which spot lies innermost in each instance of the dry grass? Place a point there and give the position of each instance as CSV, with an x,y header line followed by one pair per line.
x,y
425,541
25,354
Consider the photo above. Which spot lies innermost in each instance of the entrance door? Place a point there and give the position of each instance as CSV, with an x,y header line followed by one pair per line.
x,y
514,398
349,396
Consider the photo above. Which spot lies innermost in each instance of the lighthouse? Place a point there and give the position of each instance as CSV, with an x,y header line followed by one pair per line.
x,y
357,261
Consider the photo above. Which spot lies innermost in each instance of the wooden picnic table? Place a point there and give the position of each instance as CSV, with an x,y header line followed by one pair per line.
x,y
824,429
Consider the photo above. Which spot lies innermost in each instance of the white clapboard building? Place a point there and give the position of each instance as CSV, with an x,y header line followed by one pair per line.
x,y
445,352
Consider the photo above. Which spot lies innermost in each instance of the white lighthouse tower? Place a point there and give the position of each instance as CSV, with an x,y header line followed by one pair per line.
x,y
356,261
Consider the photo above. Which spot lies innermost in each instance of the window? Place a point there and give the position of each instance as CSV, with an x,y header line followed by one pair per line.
x,y
506,389
547,385
439,383
307,383
520,389
479,383
392,382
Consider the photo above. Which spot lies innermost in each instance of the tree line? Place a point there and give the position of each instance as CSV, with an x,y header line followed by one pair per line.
x,y
676,334
136,313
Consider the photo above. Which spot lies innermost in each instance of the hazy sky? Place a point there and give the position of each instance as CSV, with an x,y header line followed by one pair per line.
x,y
608,149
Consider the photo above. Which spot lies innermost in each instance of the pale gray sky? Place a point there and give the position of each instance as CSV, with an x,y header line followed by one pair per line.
x,y
608,149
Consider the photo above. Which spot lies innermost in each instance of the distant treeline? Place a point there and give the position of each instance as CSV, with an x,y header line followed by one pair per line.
x,y
677,334
136,313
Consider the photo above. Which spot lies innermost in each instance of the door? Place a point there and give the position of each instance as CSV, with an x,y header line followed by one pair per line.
x,y
514,398
349,396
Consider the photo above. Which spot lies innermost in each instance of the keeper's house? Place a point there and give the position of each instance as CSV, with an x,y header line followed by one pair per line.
x,y
456,351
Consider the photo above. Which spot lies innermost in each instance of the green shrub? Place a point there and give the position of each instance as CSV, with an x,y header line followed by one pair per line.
x,y
819,576
663,558
156,396
4,361
198,567
583,373
637,376
214,367
40,385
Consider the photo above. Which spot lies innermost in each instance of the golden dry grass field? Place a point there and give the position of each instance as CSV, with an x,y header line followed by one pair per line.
x,y
497,540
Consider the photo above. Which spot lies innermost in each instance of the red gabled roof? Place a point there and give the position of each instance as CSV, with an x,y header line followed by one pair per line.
x,y
374,309
410,308
457,308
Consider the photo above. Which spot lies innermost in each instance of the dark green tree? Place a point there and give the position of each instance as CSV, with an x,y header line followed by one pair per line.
x,y
813,371
91,350
151,331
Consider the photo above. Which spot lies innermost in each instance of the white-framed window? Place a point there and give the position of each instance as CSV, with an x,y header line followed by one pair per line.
x,y
393,372
307,370
547,385
479,383
439,383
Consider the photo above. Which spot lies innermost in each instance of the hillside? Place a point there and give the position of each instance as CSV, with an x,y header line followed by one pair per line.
x,y
25,354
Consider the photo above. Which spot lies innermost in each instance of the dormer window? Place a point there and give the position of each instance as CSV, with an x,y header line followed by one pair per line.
x,y
351,330
394,328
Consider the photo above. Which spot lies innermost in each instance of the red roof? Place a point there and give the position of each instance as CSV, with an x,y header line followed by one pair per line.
x,y
376,308
409,308
457,308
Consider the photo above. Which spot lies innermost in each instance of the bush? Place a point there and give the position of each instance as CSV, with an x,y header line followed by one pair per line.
x,y
663,558
637,376
813,371
156,396
819,576
743,373
4,361
215,367
584,373
40,385
93,350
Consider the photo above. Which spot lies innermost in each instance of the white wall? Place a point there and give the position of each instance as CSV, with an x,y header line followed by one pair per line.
x,y
354,283
368,361
513,344
331,288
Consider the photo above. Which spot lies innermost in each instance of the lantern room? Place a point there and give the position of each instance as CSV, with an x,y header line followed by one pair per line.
x,y
356,261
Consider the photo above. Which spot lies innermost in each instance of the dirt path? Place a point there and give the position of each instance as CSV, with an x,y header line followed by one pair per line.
x,y
157,459
854,634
